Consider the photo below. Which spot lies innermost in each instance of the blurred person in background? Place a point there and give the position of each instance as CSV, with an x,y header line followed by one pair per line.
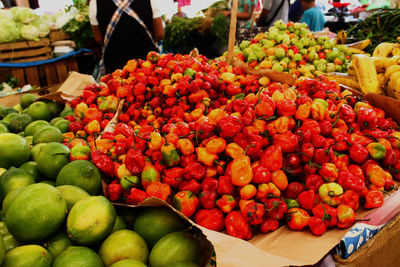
x,y
296,11
126,29
312,16
272,11
244,12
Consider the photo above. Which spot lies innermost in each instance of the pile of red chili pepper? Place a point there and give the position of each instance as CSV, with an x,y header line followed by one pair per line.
x,y
236,152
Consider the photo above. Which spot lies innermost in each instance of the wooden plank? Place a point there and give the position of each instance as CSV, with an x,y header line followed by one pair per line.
x,y
32,76
30,59
19,74
25,53
72,64
62,71
58,35
232,31
51,75
25,44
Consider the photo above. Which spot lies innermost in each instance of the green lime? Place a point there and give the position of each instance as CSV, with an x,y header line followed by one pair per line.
x,y
34,126
39,111
26,100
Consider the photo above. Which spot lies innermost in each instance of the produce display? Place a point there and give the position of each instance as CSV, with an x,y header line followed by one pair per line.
x,y
21,23
380,27
183,34
236,152
52,213
293,48
378,74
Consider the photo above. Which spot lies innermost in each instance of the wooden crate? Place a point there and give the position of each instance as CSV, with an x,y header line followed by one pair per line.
x,y
25,51
43,75
58,35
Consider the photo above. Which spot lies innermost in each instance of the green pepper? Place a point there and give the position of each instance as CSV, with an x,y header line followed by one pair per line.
x,y
150,174
376,150
331,193
170,154
322,101
189,72
292,203
129,181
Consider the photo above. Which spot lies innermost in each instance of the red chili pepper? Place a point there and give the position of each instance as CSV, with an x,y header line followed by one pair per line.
x,y
186,202
212,219
103,162
191,185
173,177
327,213
253,213
287,141
225,186
135,161
358,153
297,218
261,175
347,113
313,182
306,199
136,196
230,126
159,190
114,191
208,199
366,117
351,182
194,170
373,199
226,203
351,199
236,226
286,107
329,172
275,208
209,185
293,190
269,225
317,226
272,158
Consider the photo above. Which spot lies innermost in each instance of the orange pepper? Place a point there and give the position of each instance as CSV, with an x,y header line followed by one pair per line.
x,y
211,172
376,175
172,138
289,93
264,190
303,111
185,146
67,137
260,125
203,156
234,150
216,145
281,124
279,178
220,167
248,191
120,138
385,143
277,96
196,113
242,173
77,142
81,134
187,117
251,98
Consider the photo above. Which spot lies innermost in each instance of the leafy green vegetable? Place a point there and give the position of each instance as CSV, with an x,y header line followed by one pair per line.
x,y
220,28
9,31
381,26
79,27
30,32
23,14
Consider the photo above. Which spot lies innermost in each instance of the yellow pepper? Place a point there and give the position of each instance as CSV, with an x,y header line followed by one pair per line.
x,y
185,146
156,141
203,156
234,150
216,145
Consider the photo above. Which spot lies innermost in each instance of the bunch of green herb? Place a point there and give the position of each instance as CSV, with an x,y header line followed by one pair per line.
x,y
381,26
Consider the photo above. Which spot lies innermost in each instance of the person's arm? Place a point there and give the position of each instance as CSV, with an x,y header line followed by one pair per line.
x,y
245,15
158,29
98,36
